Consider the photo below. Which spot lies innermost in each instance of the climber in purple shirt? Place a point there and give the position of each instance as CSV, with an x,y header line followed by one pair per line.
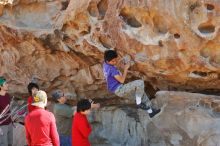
x,y
115,83
110,71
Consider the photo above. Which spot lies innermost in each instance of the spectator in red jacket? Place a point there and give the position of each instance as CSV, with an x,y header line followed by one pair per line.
x,y
32,89
40,125
80,127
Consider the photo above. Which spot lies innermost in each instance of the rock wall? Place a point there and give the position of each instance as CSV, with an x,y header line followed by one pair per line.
x,y
187,119
195,119
174,45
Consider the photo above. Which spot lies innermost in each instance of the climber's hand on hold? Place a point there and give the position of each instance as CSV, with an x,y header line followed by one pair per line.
x,y
95,105
127,66
120,63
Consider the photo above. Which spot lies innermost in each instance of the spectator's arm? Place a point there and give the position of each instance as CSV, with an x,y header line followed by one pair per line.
x,y
28,137
29,101
74,108
53,132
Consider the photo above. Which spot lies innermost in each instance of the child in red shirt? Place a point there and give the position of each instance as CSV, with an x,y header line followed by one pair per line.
x,y
32,89
81,128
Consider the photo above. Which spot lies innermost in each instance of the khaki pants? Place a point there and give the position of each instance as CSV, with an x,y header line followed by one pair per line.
x,y
6,135
133,89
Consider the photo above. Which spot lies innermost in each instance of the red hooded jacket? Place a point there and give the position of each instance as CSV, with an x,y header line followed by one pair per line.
x,y
80,130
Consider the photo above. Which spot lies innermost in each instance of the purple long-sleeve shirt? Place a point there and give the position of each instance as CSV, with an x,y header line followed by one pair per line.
x,y
109,72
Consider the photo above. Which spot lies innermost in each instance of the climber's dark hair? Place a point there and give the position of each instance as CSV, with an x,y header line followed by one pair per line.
x,y
109,55
83,105
31,86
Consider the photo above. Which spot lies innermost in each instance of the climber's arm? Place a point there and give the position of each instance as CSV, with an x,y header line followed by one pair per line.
x,y
121,78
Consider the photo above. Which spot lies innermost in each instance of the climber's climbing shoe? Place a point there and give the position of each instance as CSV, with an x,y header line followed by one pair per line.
x,y
154,113
143,106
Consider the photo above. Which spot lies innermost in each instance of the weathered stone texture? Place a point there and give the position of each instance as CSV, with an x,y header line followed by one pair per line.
x,y
174,45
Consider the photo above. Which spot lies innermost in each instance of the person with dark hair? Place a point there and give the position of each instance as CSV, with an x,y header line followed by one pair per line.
x,y
6,128
83,105
32,89
64,114
81,128
110,55
115,83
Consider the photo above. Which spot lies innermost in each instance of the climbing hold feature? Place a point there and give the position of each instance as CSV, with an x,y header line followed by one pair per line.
x,y
102,7
129,18
140,57
206,28
106,41
176,36
93,10
210,7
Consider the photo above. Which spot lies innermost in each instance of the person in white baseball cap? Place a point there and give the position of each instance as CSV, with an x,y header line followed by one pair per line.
x,y
40,99
40,124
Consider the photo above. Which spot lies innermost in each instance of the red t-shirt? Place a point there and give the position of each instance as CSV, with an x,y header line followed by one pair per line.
x,y
4,101
41,130
80,130
30,107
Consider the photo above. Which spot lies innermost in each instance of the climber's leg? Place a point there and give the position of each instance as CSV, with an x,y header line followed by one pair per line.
x,y
136,88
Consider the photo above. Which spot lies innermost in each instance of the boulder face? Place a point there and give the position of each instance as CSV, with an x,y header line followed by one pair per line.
x,y
195,119
172,44
60,44
187,119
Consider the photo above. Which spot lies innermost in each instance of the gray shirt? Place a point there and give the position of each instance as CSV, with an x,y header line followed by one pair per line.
x,y
63,114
